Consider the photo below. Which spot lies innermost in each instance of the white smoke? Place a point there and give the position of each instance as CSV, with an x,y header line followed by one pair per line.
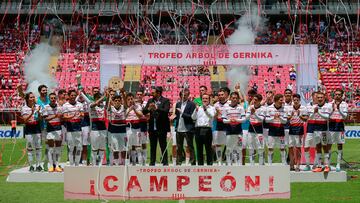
x,y
247,27
36,68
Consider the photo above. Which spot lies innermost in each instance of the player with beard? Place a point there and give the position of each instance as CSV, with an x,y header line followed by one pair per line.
x,y
310,140
337,125
269,100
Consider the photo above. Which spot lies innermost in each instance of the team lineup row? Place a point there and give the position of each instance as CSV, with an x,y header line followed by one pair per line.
x,y
125,123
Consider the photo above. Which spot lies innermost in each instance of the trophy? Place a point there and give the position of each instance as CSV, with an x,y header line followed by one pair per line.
x,y
78,79
116,83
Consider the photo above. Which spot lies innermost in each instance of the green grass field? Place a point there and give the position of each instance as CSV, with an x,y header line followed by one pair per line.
x,y
12,156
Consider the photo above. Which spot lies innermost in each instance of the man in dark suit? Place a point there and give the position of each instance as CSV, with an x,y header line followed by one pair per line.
x,y
185,127
159,124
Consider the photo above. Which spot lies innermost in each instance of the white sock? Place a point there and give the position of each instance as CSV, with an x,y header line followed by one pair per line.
x,y
239,158
133,157
174,161
261,158
319,159
58,155
307,158
50,156
31,157
326,162
270,153
252,157
140,157
93,157
187,161
38,156
78,156
144,154
127,162
101,155
111,158
228,156
339,157
283,157
218,153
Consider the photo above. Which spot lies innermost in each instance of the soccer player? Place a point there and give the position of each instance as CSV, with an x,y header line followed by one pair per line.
x,y
276,118
139,97
220,132
85,125
31,118
321,115
256,114
310,140
98,129
269,100
52,115
287,106
133,115
297,116
73,112
117,131
233,115
336,124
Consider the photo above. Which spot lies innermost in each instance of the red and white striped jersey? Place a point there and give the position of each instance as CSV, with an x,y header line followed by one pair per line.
x,y
131,115
117,115
322,115
98,112
258,117
336,115
26,111
49,111
272,111
236,113
296,113
221,107
71,109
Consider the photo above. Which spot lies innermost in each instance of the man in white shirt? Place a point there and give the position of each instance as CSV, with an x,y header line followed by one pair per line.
x,y
204,116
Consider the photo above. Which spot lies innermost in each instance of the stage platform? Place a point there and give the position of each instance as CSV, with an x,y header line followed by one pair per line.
x,y
24,175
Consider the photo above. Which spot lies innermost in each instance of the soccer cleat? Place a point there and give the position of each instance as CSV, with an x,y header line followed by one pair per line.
x,y
58,169
307,168
326,169
338,169
31,169
317,169
39,168
51,169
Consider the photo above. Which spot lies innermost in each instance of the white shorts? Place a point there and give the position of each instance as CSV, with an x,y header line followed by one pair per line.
x,y
85,132
337,137
98,139
276,141
74,139
324,137
63,134
232,142
33,141
117,142
134,137
286,131
266,135
295,141
219,138
311,140
256,141
144,138
54,135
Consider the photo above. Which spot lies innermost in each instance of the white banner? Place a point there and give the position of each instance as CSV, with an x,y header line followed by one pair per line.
x,y
182,182
184,55
5,132
352,132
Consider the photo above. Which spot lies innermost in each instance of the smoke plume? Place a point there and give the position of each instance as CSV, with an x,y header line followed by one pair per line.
x,y
37,70
246,30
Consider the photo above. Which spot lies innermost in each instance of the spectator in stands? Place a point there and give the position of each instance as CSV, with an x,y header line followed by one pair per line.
x,y
277,77
266,85
292,75
3,83
10,83
256,70
290,86
270,69
255,87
